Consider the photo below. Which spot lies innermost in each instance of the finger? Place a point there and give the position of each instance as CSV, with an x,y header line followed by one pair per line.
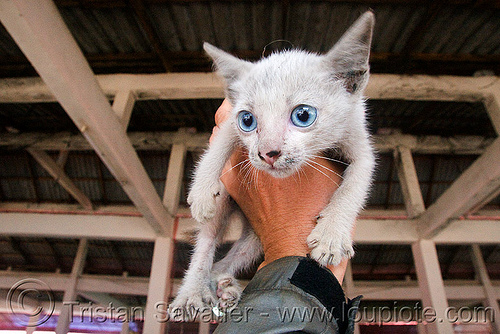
x,y
214,133
223,112
229,175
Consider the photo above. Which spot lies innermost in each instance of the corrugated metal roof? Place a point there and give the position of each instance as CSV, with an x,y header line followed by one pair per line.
x,y
462,30
105,30
408,37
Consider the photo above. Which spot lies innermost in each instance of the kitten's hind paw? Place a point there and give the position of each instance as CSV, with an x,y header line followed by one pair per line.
x,y
188,306
228,292
327,249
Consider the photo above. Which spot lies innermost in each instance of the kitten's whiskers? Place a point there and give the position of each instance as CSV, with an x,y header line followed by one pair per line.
x,y
230,169
317,163
320,171
331,159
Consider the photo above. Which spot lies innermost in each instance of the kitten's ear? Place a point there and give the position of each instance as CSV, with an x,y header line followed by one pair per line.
x,y
349,56
227,65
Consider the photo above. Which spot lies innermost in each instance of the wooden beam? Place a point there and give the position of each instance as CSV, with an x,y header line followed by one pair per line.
x,y
431,284
33,178
123,104
76,226
16,246
492,104
175,175
475,185
62,158
70,293
170,86
408,181
464,290
34,27
159,286
115,223
57,172
491,296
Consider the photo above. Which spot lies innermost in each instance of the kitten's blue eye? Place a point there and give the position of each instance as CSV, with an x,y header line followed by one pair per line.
x,y
304,115
246,121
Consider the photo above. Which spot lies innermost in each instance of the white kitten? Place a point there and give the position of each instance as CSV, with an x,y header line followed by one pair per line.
x,y
288,108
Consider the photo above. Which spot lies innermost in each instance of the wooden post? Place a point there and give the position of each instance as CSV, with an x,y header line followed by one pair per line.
x,y
70,294
174,178
489,290
431,285
123,104
408,180
159,287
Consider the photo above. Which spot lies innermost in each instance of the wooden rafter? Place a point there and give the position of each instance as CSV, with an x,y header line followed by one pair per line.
x,y
472,188
33,177
389,183
15,243
57,172
189,61
83,99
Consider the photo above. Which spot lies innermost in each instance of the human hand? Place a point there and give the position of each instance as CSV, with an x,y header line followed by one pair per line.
x,y
281,211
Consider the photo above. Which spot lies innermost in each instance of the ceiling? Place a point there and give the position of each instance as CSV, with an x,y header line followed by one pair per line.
x,y
457,37
454,37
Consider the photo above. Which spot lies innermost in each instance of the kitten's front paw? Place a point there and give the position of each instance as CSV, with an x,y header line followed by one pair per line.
x,y
203,202
329,248
228,292
187,305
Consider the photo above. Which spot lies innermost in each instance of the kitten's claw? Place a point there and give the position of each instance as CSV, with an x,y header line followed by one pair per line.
x,y
328,248
203,202
187,306
228,292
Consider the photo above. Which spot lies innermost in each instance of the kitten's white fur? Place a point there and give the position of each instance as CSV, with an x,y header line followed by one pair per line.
x,y
270,89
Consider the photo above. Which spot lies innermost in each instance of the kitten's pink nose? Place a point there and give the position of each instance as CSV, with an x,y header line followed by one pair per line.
x,y
270,157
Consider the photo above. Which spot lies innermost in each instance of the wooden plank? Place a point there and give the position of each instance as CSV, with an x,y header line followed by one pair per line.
x,y
70,293
491,297
123,104
34,26
171,86
431,284
159,286
57,172
475,185
174,178
408,180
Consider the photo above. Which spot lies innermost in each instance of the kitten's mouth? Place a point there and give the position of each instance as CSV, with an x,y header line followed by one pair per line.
x,y
280,170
